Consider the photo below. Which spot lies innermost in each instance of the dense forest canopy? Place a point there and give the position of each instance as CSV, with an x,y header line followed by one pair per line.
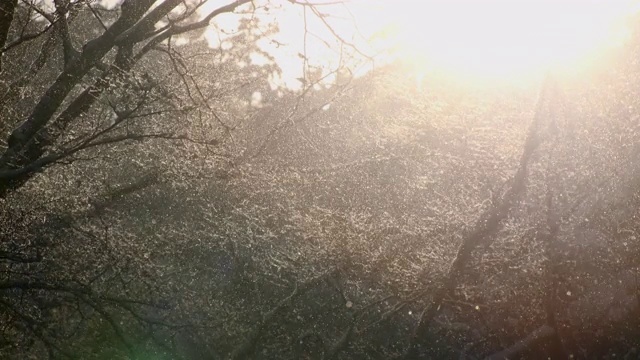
x,y
199,179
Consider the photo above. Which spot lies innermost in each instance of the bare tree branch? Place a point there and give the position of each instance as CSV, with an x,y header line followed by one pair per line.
x,y
7,9
24,38
53,98
177,29
521,346
62,9
247,347
487,225
13,91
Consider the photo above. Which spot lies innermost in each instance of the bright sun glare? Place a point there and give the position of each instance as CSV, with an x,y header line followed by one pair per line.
x,y
510,40
504,38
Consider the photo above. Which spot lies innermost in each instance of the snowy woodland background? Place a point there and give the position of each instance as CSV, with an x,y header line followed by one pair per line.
x,y
160,198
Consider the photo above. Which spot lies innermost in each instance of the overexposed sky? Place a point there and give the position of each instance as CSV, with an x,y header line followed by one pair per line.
x,y
470,38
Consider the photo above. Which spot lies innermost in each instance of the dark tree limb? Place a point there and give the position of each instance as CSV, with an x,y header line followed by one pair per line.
x,y
334,349
54,96
25,38
486,226
174,30
42,163
14,89
96,15
7,9
69,52
552,273
521,346
36,329
142,29
141,183
27,143
15,176
20,258
117,330
248,345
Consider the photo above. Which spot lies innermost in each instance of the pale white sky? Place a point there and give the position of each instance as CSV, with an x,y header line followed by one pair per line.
x,y
492,38
469,37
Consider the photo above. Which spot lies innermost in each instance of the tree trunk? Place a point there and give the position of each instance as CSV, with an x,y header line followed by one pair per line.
x,y
487,225
7,9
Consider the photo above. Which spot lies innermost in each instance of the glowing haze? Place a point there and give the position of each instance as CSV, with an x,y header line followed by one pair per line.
x,y
505,38
469,39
